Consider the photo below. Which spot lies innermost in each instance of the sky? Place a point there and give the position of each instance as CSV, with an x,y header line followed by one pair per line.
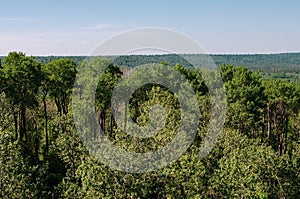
x,y
77,27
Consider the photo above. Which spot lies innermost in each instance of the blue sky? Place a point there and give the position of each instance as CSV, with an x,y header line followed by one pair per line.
x,y
65,27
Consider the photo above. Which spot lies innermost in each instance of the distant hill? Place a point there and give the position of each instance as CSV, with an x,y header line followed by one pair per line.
x,y
283,66
289,62
263,62
278,66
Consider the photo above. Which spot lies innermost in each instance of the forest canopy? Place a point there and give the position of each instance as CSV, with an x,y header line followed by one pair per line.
x,y
256,156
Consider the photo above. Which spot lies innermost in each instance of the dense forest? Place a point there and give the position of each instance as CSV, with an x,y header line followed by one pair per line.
x,y
256,156
276,66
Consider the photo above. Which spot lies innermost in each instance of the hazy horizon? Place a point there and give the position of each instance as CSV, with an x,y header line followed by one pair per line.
x,y
213,54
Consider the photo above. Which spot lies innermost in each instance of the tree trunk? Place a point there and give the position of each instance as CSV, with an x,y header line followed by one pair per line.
x,y
57,102
275,136
65,105
23,122
111,123
46,122
125,117
286,132
15,121
283,129
102,120
263,128
269,123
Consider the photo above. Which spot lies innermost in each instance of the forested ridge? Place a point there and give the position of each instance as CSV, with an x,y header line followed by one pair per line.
x,y
256,156
283,63
279,66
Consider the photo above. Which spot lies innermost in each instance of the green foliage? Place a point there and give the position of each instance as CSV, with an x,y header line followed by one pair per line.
x,y
246,170
42,156
22,76
245,97
61,75
282,110
14,173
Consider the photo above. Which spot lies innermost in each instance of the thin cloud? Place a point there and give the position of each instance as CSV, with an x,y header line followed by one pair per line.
x,y
98,27
11,19
8,19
